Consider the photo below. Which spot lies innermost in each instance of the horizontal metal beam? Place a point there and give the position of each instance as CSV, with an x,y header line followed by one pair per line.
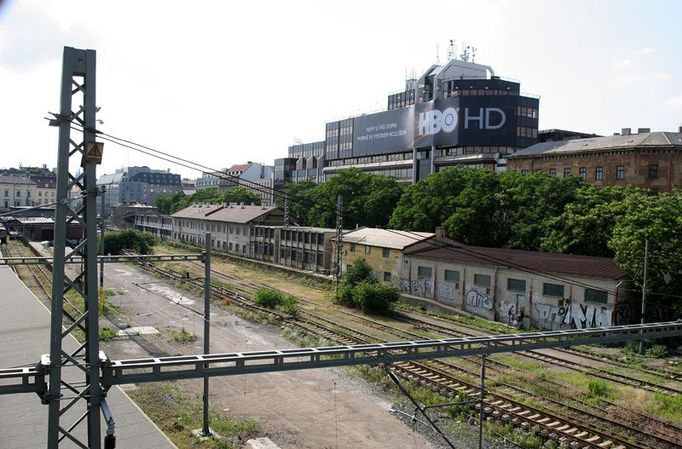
x,y
35,260
24,380
197,366
32,379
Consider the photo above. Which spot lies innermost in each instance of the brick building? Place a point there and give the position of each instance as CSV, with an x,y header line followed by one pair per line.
x,y
646,159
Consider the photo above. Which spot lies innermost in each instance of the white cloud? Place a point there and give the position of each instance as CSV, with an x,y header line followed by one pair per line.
x,y
675,102
644,51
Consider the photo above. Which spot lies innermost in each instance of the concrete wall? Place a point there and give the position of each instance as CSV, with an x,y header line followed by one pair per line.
x,y
382,265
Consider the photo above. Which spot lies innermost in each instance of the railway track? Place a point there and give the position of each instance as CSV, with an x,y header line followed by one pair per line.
x,y
552,424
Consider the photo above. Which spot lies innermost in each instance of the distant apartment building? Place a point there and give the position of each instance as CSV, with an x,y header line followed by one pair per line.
x,y
189,186
17,191
138,185
652,160
253,176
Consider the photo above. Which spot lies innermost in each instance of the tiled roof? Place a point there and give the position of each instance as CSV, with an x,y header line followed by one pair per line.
x,y
15,180
643,140
533,261
219,212
385,238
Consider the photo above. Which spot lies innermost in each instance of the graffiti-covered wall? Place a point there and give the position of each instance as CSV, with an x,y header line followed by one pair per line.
x,y
516,297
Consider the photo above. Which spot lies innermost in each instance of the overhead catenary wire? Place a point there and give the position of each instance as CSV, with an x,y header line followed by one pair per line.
x,y
165,156
307,201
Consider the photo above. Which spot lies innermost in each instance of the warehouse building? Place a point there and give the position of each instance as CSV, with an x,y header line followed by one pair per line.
x,y
300,247
516,287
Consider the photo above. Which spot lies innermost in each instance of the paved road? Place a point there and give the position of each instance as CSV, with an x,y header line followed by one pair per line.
x,y
24,332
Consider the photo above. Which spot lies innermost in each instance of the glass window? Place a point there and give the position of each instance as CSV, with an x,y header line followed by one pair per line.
x,y
451,276
553,290
567,172
385,252
352,247
620,172
423,273
599,296
582,172
387,276
368,249
552,172
482,280
518,285
653,172
599,173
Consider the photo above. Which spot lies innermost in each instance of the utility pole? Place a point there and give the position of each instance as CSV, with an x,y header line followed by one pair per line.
x,y
78,82
286,212
339,239
206,430
101,242
481,416
646,256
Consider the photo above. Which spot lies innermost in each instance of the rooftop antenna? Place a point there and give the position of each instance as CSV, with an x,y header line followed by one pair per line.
x,y
464,56
452,50
437,56
473,54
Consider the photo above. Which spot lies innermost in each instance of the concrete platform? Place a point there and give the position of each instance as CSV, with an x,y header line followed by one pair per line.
x,y
24,333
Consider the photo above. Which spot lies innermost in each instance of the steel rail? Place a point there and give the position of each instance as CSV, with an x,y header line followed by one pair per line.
x,y
122,258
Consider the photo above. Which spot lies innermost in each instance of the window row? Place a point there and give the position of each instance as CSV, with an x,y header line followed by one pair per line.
x,y
523,131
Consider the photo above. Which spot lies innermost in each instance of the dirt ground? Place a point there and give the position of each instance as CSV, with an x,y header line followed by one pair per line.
x,y
327,408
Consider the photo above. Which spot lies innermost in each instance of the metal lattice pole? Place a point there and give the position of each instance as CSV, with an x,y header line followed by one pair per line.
x,y
339,239
206,430
78,82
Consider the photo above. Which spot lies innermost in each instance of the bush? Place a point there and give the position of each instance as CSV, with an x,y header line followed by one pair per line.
x,y
272,299
183,336
597,388
374,297
657,351
117,241
358,272
268,298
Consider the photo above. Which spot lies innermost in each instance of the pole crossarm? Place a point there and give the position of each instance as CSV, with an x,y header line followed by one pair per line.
x,y
211,365
32,379
28,379
36,260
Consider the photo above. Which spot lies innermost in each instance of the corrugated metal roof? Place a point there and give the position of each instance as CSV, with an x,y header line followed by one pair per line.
x,y
218,212
601,143
534,261
385,238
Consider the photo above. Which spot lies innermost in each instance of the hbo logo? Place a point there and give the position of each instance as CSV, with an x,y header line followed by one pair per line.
x,y
435,121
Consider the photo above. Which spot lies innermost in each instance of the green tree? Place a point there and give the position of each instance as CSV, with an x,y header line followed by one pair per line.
x,y
166,203
658,220
237,194
586,224
117,241
368,200
300,200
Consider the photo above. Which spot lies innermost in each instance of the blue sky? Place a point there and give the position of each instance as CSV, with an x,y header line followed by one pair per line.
x,y
225,82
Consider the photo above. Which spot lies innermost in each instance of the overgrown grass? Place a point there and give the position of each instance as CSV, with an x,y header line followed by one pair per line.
x,y
667,406
106,333
183,336
178,413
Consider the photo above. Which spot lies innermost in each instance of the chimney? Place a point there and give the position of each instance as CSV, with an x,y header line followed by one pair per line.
x,y
625,131
440,232
643,130
679,129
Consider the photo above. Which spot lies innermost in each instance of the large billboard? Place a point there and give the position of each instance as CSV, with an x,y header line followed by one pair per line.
x,y
469,120
383,132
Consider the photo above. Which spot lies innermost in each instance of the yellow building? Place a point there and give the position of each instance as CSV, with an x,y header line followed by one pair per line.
x,y
382,249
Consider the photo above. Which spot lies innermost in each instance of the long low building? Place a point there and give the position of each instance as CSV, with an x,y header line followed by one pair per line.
x,y
525,288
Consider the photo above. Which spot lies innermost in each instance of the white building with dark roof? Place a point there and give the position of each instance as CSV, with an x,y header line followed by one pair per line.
x,y
231,225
